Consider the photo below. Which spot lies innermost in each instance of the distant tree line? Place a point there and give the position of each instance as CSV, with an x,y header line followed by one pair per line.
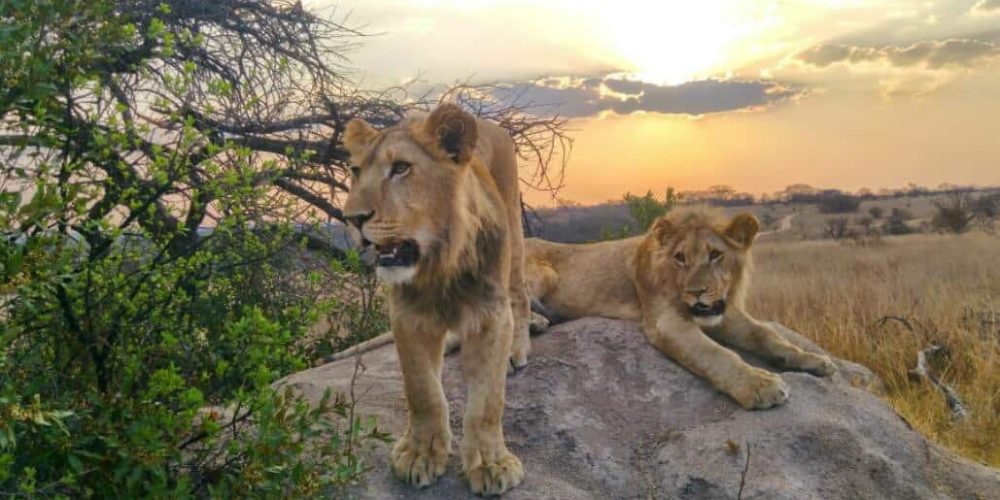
x,y
955,212
575,223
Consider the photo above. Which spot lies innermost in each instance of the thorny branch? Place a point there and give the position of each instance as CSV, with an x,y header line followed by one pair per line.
x,y
265,89
925,372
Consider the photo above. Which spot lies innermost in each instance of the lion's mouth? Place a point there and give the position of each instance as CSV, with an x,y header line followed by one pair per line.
x,y
703,310
397,254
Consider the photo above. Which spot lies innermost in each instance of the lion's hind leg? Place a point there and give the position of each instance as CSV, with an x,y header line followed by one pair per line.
x,y
742,331
521,310
517,290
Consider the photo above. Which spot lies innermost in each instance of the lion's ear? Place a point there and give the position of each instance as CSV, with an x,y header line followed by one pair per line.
x,y
454,130
662,229
742,229
358,134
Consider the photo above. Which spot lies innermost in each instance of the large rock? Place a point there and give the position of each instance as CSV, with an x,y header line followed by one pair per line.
x,y
598,413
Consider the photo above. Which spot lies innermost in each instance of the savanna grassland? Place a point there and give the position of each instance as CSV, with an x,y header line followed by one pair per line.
x,y
945,288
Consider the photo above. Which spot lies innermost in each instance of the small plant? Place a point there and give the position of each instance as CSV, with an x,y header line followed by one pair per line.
x,y
987,206
643,210
836,227
987,210
866,223
608,234
897,223
646,209
875,212
954,213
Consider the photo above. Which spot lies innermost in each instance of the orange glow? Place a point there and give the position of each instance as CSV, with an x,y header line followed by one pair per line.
x,y
845,142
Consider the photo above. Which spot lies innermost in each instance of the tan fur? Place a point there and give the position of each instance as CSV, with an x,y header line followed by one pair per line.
x,y
642,279
459,200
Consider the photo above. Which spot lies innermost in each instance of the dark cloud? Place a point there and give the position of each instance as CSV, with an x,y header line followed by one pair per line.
x,y
575,97
625,86
987,6
929,54
822,56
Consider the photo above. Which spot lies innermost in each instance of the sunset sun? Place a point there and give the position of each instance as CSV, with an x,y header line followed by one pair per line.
x,y
673,43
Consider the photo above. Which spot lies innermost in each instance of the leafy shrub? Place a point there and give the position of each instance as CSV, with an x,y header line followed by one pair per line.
x,y
643,210
986,209
954,213
838,204
836,227
140,348
112,358
608,234
867,223
897,222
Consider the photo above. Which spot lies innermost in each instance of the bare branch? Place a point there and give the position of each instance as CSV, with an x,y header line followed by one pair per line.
x,y
924,371
542,142
310,197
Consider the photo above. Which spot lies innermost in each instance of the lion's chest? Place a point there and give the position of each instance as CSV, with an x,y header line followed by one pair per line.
x,y
445,304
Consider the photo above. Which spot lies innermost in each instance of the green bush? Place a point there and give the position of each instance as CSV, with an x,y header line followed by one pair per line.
x,y
644,210
139,348
112,358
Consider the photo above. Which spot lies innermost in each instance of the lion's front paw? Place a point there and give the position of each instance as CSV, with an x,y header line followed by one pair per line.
x,y
821,366
421,461
495,476
517,361
760,389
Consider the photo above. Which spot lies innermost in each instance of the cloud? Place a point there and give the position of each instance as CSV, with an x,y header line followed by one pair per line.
x,y
915,70
582,97
987,7
930,55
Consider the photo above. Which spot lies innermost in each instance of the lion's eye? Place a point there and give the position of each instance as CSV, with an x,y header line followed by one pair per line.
x,y
356,172
400,168
679,257
714,255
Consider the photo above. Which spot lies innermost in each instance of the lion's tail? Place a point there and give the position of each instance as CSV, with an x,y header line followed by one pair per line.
x,y
451,342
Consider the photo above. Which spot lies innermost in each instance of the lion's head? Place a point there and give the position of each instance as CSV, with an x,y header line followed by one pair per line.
x,y
697,260
406,179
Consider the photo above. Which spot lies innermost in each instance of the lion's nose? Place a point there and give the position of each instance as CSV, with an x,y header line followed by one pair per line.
x,y
358,220
696,292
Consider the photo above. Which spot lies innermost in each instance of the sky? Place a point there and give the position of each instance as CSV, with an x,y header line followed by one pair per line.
x,y
755,94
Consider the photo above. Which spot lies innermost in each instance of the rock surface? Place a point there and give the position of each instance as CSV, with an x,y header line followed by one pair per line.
x,y
598,413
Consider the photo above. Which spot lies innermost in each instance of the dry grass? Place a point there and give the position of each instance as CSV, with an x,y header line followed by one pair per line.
x,y
947,287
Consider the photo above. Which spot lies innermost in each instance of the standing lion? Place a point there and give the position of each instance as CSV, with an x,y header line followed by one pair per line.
x,y
438,199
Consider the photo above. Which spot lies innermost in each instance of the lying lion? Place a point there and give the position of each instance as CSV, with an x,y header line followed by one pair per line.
x,y
685,278
438,199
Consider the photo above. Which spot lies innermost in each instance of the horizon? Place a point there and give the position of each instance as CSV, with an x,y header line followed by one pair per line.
x,y
756,95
